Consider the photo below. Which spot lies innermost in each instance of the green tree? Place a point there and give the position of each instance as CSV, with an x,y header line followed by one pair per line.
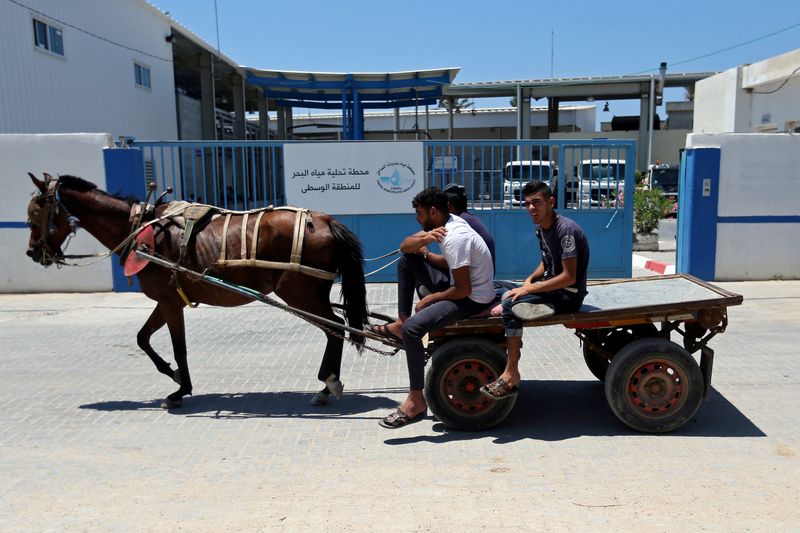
x,y
458,105
648,209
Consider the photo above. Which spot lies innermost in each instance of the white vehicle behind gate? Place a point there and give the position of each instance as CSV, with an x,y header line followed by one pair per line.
x,y
517,173
595,182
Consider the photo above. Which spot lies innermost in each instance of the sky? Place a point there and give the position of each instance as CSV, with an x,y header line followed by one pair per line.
x,y
498,40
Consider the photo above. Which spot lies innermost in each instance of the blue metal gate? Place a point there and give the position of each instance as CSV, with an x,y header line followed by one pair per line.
x,y
592,181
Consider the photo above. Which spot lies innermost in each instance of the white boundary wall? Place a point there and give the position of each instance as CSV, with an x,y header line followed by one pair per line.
x,y
759,180
92,87
79,154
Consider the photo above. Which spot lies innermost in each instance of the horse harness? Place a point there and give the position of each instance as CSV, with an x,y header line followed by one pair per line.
x,y
47,218
191,218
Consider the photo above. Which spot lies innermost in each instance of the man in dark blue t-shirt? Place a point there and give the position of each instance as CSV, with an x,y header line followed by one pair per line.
x,y
558,285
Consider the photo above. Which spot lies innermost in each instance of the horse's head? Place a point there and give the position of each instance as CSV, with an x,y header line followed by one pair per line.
x,y
49,221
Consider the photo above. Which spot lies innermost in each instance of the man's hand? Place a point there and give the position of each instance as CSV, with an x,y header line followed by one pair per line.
x,y
438,233
514,294
425,302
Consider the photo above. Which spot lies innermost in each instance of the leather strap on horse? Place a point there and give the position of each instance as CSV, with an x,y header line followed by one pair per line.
x,y
301,220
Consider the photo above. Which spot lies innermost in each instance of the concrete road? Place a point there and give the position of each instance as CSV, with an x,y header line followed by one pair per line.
x,y
86,447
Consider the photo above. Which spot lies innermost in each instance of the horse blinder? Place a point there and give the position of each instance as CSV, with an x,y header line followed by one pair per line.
x,y
40,249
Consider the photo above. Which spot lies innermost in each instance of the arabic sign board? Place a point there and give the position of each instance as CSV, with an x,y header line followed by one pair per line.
x,y
354,178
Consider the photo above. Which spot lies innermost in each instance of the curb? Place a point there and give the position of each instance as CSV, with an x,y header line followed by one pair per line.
x,y
654,266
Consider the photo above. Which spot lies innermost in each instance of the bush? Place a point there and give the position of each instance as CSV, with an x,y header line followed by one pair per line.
x,y
648,208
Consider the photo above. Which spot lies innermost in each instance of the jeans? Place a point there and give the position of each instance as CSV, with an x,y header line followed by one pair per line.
x,y
431,318
562,300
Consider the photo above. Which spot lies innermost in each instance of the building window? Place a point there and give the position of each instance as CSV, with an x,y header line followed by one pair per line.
x,y
142,75
47,37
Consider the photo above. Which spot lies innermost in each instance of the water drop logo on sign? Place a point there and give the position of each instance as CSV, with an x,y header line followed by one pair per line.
x,y
396,177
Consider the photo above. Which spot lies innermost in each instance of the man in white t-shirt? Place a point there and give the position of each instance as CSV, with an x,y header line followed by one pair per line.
x,y
471,291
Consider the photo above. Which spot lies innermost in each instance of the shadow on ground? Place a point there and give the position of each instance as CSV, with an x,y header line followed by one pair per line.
x,y
545,410
559,410
287,404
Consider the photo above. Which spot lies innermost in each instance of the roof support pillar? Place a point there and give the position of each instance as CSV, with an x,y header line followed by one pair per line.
x,y
396,123
427,122
208,120
358,118
281,123
344,115
552,116
288,111
644,129
263,118
238,107
523,113
450,132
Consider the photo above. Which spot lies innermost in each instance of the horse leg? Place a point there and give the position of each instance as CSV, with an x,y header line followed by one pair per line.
x,y
177,331
317,301
331,367
153,324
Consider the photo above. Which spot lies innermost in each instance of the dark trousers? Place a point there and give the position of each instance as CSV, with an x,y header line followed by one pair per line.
x,y
414,272
429,319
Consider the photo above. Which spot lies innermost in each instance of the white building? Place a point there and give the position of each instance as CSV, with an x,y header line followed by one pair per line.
x,y
760,97
470,123
93,66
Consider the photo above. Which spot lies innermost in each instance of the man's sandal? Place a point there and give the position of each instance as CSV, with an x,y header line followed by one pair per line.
x,y
383,331
399,419
499,390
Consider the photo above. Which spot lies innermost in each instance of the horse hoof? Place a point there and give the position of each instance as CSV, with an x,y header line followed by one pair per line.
x,y
320,399
171,404
335,387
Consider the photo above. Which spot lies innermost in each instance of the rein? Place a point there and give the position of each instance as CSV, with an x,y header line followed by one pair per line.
x,y
387,265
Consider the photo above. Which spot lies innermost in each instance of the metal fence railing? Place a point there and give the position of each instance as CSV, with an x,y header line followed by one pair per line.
x,y
234,175
583,174
586,175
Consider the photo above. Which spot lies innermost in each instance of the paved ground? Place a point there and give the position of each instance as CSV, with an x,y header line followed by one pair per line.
x,y
86,447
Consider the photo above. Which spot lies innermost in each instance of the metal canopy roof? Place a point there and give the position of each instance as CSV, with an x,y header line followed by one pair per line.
x,y
376,90
577,89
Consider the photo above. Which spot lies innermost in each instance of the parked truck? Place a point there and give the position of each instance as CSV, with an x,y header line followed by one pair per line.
x,y
664,177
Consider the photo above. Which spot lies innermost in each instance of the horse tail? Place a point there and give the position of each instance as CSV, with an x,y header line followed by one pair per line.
x,y
349,258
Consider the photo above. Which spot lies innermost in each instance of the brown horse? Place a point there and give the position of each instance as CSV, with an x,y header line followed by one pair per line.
x,y
64,203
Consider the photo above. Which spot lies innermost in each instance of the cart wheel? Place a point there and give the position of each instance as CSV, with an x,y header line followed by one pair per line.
x,y
458,370
612,341
654,385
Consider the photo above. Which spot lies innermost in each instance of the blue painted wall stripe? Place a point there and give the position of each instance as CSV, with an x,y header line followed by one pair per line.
x,y
697,216
760,219
15,225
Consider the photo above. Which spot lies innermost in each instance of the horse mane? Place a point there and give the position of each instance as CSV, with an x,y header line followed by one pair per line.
x,y
77,184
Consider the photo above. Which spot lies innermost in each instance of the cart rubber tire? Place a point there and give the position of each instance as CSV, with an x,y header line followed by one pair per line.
x,y
459,368
613,340
654,385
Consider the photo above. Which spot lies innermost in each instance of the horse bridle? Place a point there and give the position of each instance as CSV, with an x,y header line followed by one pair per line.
x,y
48,212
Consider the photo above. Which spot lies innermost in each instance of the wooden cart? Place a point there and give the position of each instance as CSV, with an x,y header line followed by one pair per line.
x,y
652,383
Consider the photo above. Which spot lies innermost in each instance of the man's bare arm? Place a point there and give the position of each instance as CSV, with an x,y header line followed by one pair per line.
x,y
536,274
461,289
